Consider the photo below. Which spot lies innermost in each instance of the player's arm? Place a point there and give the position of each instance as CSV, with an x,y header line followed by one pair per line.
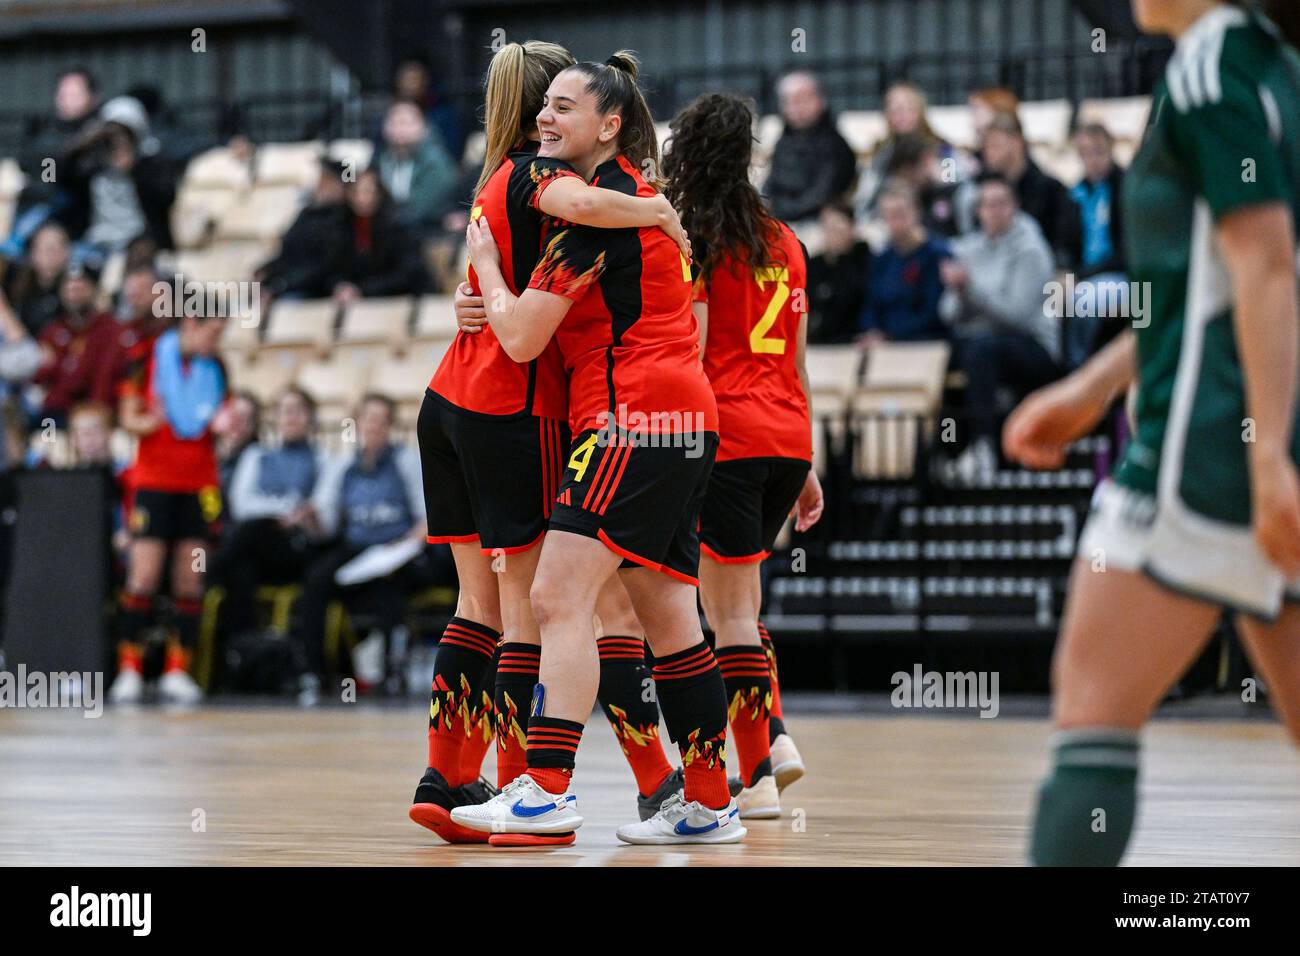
x,y
701,310
1257,244
133,412
522,324
808,508
1042,427
571,199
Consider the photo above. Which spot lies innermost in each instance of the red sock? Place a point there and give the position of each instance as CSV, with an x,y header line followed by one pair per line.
x,y
551,779
130,657
776,721
177,659
749,695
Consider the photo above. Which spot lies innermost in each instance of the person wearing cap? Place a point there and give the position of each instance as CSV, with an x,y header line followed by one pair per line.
x,y
72,348
127,187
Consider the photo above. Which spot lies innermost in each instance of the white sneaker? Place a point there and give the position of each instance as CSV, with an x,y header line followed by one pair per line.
x,y
127,689
787,765
178,687
762,801
522,807
680,822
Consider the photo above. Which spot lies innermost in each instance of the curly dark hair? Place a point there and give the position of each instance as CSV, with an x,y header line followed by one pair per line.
x,y
706,165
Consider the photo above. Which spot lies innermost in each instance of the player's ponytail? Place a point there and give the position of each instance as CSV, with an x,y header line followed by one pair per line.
x,y
613,84
516,82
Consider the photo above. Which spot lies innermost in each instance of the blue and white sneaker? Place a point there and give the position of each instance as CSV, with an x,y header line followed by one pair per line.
x,y
680,822
522,807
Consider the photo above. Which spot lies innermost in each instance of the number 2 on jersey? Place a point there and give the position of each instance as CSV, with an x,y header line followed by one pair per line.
x,y
758,340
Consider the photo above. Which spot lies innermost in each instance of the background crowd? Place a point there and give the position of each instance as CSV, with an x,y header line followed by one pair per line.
x,y
923,242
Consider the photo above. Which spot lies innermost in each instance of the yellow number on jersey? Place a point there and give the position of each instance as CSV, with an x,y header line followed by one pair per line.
x,y
581,457
473,216
758,340
686,268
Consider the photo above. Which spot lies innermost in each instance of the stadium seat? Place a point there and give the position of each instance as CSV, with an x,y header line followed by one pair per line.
x,y
863,130
907,366
355,153
110,277
1046,121
1125,118
289,164
768,132
475,149
196,211
385,320
8,207
953,124
404,380
218,168
889,424
239,337
335,384
265,214
269,375
436,317
833,369
12,178
1061,161
305,327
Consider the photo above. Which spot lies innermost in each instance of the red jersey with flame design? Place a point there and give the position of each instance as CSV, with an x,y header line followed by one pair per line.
x,y
751,353
630,341
476,374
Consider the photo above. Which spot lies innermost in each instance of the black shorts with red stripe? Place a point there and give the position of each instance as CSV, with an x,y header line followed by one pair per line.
x,y
486,478
640,496
746,504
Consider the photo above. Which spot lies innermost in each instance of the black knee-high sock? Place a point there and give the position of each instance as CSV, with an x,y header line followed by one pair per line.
x,y
517,666
135,613
464,655
1087,806
627,698
694,705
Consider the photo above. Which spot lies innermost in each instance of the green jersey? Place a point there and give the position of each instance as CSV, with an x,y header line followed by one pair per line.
x,y
1224,135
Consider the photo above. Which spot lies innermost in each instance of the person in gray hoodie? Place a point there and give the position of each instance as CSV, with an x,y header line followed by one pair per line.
x,y
993,298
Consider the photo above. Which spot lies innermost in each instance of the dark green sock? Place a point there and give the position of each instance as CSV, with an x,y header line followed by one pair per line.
x,y
1087,806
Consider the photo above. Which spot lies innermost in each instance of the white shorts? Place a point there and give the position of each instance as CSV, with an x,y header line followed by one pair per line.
x,y
1209,560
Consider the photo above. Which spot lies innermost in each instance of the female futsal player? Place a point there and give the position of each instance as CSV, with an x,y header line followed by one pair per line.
x,y
1203,509
645,434
491,434
173,388
750,301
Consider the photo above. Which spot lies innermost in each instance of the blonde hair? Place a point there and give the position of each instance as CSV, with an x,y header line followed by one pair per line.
x,y
516,82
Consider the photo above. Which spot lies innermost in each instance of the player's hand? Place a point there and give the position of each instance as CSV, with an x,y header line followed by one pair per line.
x,y
808,509
1042,427
471,315
671,223
1275,511
483,250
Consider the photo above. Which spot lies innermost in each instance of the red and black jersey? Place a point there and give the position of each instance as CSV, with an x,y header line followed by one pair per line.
x,y
751,353
630,341
163,461
476,374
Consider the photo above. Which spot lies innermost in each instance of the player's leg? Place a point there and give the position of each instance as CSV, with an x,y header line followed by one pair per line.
x,y
460,682
731,595
1275,651
146,560
518,662
787,764
536,808
694,704
627,696
188,560
1124,641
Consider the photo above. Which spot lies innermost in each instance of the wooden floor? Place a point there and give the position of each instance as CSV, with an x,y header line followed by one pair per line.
x,y
285,787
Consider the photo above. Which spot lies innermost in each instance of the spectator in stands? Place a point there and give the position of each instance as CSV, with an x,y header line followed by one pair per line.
x,y
837,278
31,289
72,347
994,299
372,498
236,427
76,107
312,246
1039,195
1102,264
413,83
916,161
128,189
907,124
416,170
380,256
812,165
903,292
275,532
988,103
136,321
177,144
20,356
90,430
